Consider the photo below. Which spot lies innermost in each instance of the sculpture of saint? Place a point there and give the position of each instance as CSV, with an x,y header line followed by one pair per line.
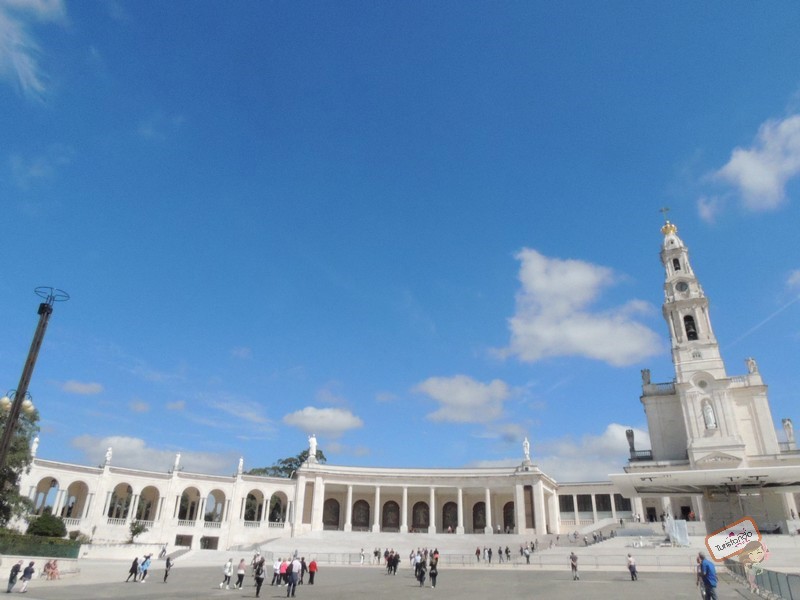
x,y
708,415
526,448
787,427
108,455
35,446
312,446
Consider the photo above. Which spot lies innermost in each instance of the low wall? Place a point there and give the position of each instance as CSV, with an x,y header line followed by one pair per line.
x,y
66,566
121,551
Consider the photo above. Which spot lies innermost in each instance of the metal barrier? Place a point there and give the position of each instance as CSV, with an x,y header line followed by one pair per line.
x,y
779,585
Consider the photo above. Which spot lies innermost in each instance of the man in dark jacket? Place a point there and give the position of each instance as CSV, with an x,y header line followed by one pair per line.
x,y
12,577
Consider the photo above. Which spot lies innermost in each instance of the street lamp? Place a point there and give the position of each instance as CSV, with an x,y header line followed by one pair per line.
x,y
21,399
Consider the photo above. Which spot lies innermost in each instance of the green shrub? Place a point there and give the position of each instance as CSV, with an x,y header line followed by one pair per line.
x,y
47,525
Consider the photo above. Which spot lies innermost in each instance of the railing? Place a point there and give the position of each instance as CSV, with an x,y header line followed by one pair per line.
x,y
212,524
277,525
788,447
658,389
71,522
112,521
780,585
186,523
252,524
641,455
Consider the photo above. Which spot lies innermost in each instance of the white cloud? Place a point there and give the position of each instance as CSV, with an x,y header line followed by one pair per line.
x,y
327,394
241,410
793,281
242,352
709,208
591,458
138,406
26,171
177,405
762,171
552,316
327,421
383,397
18,49
134,453
463,400
84,388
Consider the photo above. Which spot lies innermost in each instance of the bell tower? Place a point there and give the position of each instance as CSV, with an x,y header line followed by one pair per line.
x,y
694,345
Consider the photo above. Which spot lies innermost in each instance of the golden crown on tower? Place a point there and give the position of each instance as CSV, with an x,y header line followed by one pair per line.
x,y
669,228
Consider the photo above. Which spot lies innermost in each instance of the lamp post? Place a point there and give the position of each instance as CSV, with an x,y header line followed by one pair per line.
x,y
21,396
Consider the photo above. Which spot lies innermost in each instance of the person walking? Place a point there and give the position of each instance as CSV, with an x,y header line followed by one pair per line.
x,y
258,575
294,576
434,569
240,572
708,574
573,564
276,571
167,567
145,567
312,571
632,568
12,576
227,571
134,570
303,569
28,574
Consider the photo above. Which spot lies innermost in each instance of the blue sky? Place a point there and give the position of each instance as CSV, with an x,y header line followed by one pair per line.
x,y
419,230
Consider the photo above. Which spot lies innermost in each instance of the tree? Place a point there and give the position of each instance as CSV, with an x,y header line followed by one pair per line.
x,y
47,525
12,503
136,528
286,467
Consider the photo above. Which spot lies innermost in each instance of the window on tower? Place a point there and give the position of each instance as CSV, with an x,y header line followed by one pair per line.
x,y
676,264
691,330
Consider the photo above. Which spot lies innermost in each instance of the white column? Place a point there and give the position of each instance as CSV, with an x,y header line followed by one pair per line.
x,y
106,507
134,507
594,510
575,507
552,513
539,510
613,507
638,508
201,506
376,522
348,512
519,508
790,503
432,512
300,502
460,527
404,511
317,505
88,505
488,504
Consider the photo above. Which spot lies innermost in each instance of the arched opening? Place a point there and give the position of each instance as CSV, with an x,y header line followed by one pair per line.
x,y
330,514
420,517
479,517
676,264
254,506
391,516
148,503
215,507
508,517
190,503
75,505
691,329
277,508
120,502
361,515
450,516
46,496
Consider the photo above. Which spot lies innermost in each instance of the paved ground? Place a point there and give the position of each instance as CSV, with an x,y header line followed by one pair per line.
x,y
106,580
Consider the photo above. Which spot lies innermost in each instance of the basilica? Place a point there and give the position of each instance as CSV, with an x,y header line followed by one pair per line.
x,y
715,458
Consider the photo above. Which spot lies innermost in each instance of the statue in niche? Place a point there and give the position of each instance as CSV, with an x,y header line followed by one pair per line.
x,y
789,429
752,365
708,415
526,448
645,377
